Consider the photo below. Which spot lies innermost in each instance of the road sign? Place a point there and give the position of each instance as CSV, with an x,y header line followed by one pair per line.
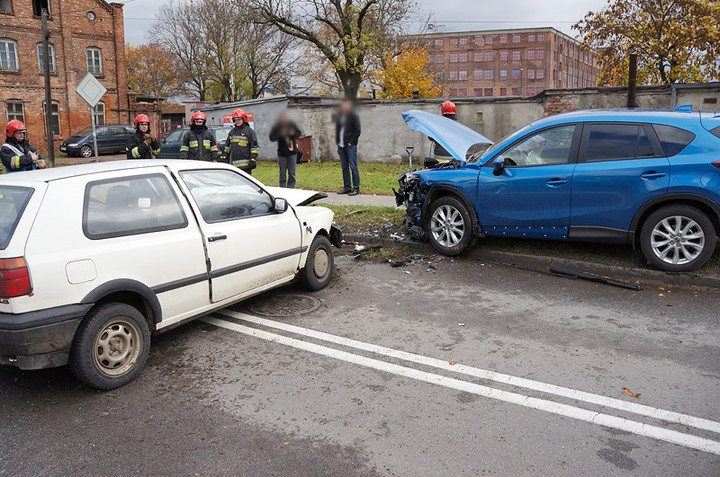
x,y
91,90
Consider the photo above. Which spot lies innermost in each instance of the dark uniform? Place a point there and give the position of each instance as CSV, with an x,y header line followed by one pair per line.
x,y
142,145
242,148
16,155
199,144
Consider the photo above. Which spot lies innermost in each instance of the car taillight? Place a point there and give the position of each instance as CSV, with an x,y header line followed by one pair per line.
x,y
716,164
14,278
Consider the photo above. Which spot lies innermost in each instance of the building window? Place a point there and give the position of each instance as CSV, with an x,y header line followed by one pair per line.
x,y
440,75
516,91
503,91
453,41
531,73
489,74
6,6
453,76
515,74
488,91
439,58
477,75
531,36
531,54
463,58
462,75
541,37
489,55
531,91
453,57
503,55
516,38
99,114
540,73
477,92
516,55
94,61
41,60
8,55
503,38
462,92
39,6
453,92
463,40
540,54
488,40
503,74
478,56
54,117
479,40
15,111
438,42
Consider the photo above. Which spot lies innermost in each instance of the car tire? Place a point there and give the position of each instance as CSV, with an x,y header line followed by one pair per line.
x,y
86,151
319,266
110,346
677,238
449,226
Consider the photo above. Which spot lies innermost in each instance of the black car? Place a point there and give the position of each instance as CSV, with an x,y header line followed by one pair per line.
x,y
111,138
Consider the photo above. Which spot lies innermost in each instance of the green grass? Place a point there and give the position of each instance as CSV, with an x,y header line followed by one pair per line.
x,y
327,176
362,217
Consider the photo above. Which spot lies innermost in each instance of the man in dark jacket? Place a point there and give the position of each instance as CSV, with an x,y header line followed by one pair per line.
x,y
199,144
17,154
241,145
347,133
285,132
142,145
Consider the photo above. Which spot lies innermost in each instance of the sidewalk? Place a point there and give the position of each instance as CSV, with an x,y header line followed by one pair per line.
x,y
361,200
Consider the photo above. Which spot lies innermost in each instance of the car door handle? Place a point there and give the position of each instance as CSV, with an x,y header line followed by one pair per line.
x,y
556,182
652,175
217,237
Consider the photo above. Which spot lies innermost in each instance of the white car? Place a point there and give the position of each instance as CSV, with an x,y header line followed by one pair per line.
x,y
95,258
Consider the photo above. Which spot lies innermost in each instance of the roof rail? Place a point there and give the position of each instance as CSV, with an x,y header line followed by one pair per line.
x,y
684,108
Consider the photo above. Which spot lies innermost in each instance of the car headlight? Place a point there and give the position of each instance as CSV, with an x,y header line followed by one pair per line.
x,y
73,144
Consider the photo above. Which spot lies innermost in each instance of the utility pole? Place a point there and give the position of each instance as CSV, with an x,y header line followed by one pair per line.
x,y
48,92
632,81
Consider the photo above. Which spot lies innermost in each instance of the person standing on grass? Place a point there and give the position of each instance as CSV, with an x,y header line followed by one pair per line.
x,y
347,133
285,132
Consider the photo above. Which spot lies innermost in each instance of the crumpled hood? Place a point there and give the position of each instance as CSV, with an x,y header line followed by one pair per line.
x,y
296,197
453,136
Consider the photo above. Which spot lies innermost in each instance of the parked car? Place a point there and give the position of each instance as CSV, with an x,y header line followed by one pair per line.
x,y
625,176
146,245
111,138
170,146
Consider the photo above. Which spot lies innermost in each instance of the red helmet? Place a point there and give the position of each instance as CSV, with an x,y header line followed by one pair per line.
x,y
198,115
239,113
142,118
13,127
448,107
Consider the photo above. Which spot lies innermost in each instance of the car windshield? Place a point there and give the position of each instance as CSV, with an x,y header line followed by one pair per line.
x,y
84,132
12,204
221,134
491,150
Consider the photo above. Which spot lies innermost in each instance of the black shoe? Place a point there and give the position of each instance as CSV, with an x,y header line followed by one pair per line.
x,y
344,191
355,192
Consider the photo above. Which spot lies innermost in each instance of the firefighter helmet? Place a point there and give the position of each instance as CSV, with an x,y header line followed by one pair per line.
x,y
142,118
448,107
198,115
13,127
239,113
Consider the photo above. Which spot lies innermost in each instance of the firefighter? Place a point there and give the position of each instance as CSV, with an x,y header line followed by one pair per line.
x,y
17,154
241,146
142,145
449,111
199,143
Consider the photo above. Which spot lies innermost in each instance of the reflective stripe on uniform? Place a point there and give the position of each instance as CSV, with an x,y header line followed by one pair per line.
x,y
136,152
17,162
184,149
193,144
254,151
155,151
206,143
214,148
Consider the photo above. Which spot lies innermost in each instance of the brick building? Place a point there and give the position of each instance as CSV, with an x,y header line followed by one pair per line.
x,y
517,62
85,36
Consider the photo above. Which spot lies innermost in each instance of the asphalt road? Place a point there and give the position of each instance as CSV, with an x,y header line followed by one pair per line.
x,y
401,374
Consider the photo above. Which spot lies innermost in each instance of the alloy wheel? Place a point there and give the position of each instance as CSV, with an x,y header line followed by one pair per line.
x,y
677,240
447,226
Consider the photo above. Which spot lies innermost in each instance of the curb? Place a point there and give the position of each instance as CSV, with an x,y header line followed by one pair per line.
x,y
628,273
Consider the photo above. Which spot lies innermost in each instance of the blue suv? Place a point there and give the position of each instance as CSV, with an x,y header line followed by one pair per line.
x,y
623,176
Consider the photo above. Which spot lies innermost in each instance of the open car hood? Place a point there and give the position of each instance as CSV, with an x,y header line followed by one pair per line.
x,y
453,136
296,197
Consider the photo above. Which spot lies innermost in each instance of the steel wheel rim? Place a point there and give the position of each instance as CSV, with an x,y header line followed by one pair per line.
x,y
117,347
447,226
321,262
86,151
677,240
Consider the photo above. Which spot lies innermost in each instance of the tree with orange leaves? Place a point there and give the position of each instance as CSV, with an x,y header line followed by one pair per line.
x,y
406,72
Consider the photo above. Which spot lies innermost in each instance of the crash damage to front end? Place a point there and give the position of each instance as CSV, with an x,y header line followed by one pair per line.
x,y
412,195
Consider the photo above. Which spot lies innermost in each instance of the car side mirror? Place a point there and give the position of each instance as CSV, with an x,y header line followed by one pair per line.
x,y
498,166
281,205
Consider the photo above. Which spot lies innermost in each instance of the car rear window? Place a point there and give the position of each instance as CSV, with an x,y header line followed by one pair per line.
x,y
13,201
716,131
673,139
130,206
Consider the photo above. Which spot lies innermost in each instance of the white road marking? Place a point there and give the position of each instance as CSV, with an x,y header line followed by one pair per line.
x,y
641,409
686,440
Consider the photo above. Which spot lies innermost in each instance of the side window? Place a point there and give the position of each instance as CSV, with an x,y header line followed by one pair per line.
x,y
673,139
175,136
226,195
550,146
103,132
128,130
611,142
131,206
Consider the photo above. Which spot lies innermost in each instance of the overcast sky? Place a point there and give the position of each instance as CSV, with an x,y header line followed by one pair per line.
x,y
454,15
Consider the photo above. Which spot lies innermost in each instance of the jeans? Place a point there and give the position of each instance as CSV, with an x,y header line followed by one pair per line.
x,y
287,164
348,162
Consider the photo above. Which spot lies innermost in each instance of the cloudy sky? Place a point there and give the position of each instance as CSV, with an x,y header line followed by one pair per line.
x,y
453,15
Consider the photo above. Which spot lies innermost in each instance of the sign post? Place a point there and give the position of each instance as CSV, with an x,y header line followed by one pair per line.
x,y
92,92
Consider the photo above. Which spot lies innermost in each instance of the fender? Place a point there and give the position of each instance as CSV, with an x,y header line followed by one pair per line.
x,y
432,193
126,285
670,198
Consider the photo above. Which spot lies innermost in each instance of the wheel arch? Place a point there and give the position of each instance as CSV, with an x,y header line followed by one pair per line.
x,y
438,191
131,292
702,203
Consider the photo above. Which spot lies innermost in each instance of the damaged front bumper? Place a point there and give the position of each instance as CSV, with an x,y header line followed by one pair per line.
x,y
411,194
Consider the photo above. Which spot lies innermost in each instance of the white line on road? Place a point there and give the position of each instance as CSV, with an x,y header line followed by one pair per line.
x,y
606,420
641,409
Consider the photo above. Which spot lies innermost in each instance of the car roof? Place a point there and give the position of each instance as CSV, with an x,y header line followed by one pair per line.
x,y
59,173
619,115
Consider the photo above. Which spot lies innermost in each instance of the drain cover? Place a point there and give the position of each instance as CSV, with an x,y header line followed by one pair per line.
x,y
284,305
